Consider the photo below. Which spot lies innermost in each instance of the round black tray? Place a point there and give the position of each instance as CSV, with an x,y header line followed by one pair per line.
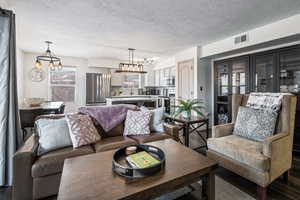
x,y
120,166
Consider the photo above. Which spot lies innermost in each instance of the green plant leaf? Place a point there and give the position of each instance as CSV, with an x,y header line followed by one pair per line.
x,y
200,107
199,112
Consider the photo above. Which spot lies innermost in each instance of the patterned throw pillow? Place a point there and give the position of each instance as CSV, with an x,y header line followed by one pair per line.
x,y
255,124
137,123
157,119
265,101
82,130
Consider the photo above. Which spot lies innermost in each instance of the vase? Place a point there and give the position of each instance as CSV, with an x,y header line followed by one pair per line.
x,y
186,114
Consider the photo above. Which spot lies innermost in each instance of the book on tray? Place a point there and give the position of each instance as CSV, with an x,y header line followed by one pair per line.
x,y
141,160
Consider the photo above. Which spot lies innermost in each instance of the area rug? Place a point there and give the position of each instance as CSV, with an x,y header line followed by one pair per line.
x,y
224,191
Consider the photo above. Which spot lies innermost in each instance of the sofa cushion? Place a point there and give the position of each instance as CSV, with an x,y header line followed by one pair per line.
x,y
154,136
255,124
117,131
110,143
241,149
52,163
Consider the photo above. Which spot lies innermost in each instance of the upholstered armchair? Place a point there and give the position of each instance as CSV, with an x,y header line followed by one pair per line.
x,y
259,162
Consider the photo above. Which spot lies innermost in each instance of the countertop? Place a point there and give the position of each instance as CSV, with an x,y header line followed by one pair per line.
x,y
134,98
44,105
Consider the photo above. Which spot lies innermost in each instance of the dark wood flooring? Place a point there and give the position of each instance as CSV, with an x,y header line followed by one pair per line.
x,y
278,190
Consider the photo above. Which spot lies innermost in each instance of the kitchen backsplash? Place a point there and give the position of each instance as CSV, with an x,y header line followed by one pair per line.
x,y
117,91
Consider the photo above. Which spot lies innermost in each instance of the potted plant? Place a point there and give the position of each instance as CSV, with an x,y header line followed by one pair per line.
x,y
185,107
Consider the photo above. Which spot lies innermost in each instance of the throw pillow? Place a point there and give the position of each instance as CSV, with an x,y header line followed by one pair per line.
x,y
53,134
137,123
255,124
157,119
82,130
270,101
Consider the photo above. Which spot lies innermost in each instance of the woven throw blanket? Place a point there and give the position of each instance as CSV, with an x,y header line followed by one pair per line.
x,y
108,116
265,101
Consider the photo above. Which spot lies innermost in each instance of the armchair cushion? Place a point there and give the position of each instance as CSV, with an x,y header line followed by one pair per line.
x,y
255,124
222,130
242,150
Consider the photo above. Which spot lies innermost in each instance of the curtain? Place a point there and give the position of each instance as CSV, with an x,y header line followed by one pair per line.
x,y
10,134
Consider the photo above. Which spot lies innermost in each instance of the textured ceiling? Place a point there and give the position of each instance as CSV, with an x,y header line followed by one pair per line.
x,y
106,28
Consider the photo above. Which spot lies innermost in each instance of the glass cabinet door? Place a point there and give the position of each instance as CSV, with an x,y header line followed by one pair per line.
x,y
264,73
290,71
239,76
222,81
222,87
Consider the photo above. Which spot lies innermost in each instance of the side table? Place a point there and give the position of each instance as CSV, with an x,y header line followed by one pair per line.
x,y
189,126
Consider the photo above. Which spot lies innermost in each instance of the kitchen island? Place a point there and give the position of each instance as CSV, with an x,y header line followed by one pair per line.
x,y
139,100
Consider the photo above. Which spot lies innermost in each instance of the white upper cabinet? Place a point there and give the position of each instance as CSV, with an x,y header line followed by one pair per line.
x,y
165,77
116,78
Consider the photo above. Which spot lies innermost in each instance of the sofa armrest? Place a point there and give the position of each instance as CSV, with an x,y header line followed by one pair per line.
x,y
172,130
279,149
222,130
22,163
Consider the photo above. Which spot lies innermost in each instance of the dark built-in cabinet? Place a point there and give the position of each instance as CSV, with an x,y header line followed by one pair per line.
x,y
272,71
232,77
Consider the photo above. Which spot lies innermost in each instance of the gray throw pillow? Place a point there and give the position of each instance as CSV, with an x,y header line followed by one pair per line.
x,y
255,124
53,134
157,119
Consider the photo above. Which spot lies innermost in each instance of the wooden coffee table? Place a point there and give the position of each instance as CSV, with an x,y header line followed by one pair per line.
x,y
91,176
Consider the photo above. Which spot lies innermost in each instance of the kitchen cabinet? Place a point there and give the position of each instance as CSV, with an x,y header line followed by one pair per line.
x,y
165,77
116,78
157,81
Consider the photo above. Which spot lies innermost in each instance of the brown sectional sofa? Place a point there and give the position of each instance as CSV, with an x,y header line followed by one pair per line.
x,y
37,177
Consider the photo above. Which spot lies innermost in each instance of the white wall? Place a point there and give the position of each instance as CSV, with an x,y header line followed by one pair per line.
x,y
165,62
281,29
41,89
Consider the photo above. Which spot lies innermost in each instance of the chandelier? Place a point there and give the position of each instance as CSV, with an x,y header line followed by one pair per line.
x,y
54,62
131,67
148,61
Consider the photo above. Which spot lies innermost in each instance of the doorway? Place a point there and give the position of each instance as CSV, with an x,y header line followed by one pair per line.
x,y
186,79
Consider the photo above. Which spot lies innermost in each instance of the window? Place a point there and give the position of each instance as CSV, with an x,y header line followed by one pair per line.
x,y
63,84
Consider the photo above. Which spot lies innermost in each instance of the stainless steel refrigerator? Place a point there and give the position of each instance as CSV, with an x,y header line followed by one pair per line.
x,y
98,87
